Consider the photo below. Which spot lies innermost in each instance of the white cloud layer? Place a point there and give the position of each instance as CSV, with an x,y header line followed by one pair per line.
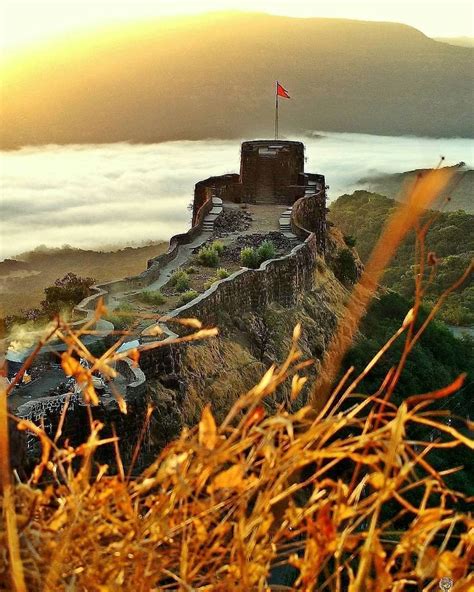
x,y
120,194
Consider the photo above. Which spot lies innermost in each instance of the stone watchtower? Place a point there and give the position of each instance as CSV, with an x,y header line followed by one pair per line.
x,y
271,172
269,169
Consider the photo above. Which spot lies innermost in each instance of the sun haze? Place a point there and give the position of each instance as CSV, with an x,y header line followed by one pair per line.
x,y
27,22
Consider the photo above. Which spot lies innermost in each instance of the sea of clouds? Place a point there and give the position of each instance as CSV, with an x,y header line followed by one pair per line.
x,y
103,196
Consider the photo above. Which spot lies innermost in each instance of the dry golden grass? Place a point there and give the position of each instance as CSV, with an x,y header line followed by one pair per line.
x,y
223,504
344,494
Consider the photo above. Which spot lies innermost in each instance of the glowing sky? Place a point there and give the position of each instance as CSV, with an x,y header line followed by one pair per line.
x,y
26,22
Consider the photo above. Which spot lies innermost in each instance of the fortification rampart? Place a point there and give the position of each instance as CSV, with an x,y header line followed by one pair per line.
x,y
225,187
309,216
86,308
283,280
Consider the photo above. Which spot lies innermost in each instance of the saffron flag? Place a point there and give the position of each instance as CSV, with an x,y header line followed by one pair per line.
x,y
281,92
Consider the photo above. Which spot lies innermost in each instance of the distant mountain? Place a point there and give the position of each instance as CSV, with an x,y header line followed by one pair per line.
x,y
460,41
213,76
461,192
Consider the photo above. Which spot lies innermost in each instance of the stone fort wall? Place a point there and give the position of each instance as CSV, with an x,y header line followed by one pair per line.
x,y
283,280
85,309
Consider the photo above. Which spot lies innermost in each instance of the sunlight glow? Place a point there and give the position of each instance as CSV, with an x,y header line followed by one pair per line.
x,y
27,22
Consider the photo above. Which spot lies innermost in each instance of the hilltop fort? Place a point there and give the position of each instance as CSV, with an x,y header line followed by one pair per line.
x,y
272,202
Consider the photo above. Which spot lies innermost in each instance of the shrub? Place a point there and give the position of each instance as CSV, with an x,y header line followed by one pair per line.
x,y
208,256
349,240
125,308
218,246
222,273
65,293
155,297
345,268
190,270
188,296
249,258
175,277
266,251
182,283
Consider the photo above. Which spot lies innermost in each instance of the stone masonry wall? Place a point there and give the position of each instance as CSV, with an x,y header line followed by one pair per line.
x,y
222,186
269,168
86,308
309,216
283,280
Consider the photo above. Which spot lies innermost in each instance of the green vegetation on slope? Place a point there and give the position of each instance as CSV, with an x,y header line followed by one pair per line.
x,y
436,360
451,238
346,76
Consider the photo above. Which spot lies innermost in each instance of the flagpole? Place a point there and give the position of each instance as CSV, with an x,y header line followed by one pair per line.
x,y
276,111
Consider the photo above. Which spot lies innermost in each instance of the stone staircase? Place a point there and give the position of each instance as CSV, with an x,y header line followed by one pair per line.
x,y
208,222
285,226
284,221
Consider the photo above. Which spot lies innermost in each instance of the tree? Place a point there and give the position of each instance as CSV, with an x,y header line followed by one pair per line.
x,y
66,293
345,268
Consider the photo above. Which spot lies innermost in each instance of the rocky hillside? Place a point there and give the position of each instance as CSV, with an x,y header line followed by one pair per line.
x,y
217,371
189,78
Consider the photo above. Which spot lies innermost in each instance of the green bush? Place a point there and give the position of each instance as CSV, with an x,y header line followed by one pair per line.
x,y
349,240
222,273
176,275
218,246
187,297
266,251
249,258
155,297
190,270
182,283
208,256
65,294
345,268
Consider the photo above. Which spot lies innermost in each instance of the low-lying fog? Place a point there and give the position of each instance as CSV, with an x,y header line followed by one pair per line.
x,y
120,194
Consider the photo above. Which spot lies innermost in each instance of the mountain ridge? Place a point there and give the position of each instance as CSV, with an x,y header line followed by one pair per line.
x,y
189,78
